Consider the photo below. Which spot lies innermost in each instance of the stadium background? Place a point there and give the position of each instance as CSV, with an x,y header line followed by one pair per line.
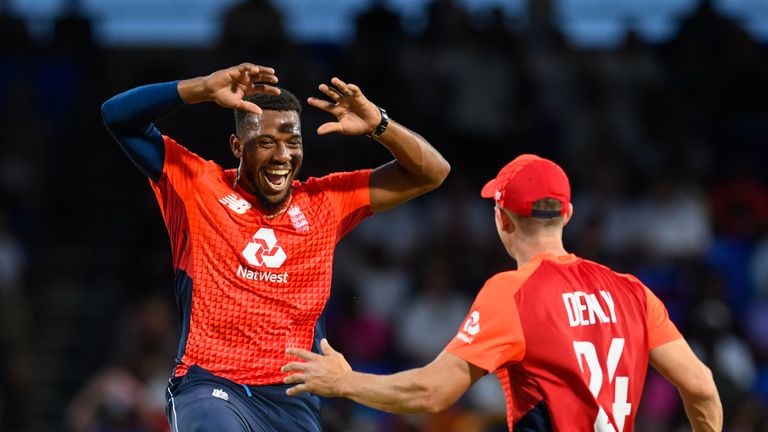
x,y
657,110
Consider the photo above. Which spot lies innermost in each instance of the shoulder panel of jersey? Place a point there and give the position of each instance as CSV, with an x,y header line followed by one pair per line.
x,y
492,335
181,168
661,329
348,194
586,346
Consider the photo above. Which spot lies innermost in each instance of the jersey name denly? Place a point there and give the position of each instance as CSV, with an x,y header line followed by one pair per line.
x,y
585,308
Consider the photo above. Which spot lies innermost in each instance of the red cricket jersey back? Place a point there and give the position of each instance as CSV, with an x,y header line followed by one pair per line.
x,y
569,340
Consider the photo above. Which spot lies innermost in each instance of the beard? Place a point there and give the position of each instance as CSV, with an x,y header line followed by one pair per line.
x,y
269,205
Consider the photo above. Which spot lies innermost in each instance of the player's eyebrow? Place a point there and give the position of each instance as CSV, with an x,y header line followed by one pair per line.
x,y
272,137
289,127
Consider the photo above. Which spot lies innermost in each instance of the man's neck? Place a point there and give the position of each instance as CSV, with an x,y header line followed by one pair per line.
x,y
524,251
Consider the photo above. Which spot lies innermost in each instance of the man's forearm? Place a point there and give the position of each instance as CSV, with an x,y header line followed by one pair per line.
x,y
705,415
415,155
401,393
194,90
427,389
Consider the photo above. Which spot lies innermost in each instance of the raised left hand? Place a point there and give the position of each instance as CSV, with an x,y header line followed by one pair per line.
x,y
355,114
321,374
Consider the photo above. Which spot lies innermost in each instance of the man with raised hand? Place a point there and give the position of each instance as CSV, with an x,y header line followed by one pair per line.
x,y
252,246
569,339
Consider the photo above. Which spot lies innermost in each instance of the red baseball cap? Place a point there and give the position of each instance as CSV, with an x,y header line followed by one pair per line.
x,y
525,180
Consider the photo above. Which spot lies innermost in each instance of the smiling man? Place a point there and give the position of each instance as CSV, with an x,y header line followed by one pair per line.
x,y
252,246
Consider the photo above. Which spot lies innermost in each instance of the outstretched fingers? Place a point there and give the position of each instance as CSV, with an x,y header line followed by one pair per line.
x,y
244,105
356,92
322,104
330,127
298,379
266,70
326,347
257,72
297,390
256,79
264,78
330,92
318,373
329,107
263,89
342,87
302,353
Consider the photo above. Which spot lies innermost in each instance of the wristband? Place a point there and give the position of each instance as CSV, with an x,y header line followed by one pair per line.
x,y
382,124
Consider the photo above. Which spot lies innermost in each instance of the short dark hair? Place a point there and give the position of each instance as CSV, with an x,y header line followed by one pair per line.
x,y
532,224
285,101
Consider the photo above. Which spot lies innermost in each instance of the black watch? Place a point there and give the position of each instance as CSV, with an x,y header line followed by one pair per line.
x,y
382,124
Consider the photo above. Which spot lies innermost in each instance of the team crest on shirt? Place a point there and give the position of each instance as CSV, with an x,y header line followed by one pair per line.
x,y
298,219
471,327
235,203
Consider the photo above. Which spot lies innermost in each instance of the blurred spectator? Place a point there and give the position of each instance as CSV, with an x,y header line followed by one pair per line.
x,y
15,331
14,36
129,394
13,261
366,339
111,401
660,405
674,223
740,204
396,237
374,57
728,355
758,269
380,283
430,319
254,27
740,213
755,324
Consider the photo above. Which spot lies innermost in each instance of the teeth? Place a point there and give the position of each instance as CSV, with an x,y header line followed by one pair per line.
x,y
278,172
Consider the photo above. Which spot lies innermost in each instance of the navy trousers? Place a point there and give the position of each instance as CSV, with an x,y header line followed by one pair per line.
x,y
203,402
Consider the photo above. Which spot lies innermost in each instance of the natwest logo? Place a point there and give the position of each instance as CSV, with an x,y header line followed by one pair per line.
x,y
471,327
263,276
263,250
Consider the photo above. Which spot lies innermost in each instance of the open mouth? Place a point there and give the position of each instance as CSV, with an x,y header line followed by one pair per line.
x,y
277,178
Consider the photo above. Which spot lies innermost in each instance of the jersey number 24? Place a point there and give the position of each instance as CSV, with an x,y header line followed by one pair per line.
x,y
586,353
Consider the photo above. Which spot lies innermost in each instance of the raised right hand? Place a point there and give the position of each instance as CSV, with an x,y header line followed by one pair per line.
x,y
227,87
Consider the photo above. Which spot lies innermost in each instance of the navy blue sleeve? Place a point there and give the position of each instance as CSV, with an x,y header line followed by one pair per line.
x,y
129,117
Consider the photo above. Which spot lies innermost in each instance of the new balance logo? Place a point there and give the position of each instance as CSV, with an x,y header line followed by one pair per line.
x,y
235,203
263,250
221,394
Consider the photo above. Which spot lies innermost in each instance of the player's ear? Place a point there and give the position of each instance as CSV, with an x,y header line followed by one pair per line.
x,y
503,221
568,214
236,145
